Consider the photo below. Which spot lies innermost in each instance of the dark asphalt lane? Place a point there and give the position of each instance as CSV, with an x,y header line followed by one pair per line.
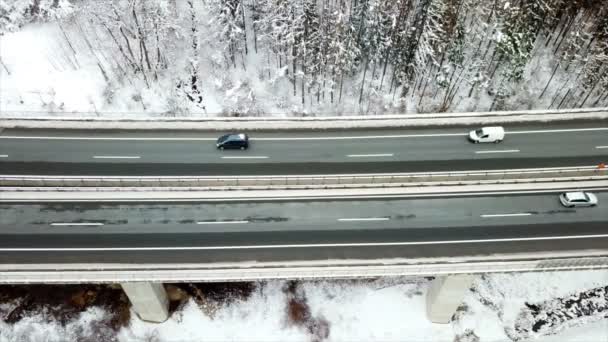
x,y
157,153
302,254
292,215
283,231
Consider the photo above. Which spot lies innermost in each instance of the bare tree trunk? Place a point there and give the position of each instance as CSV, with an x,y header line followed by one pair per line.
x,y
294,57
554,99
597,101
388,52
122,51
341,84
472,89
426,82
589,93
455,90
447,90
4,66
255,32
492,61
244,28
124,35
302,83
550,79
66,37
413,43
333,86
243,61
232,51
402,11
161,63
142,39
550,35
564,99
141,63
363,81
294,75
373,71
324,80
565,32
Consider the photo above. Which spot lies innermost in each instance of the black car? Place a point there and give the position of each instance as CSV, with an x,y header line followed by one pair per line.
x,y
233,141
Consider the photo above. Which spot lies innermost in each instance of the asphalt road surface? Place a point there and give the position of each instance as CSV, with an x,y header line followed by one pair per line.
x,y
296,229
166,153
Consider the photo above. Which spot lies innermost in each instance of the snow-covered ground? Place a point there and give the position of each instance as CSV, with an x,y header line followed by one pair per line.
x,y
378,310
88,57
44,76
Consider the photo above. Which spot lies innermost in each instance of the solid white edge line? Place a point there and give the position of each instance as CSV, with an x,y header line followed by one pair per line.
x,y
104,138
497,151
352,219
77,224
245,157
116,157
506,215
223,222
363,137
354,137
565,130
370,155
321,245
392,136
600,147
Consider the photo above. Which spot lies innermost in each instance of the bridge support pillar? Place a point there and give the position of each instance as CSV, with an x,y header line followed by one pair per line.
x,y
149,300
445,295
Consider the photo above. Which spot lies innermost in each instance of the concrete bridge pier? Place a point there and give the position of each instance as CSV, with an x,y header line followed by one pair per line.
x,y
445,295
149,300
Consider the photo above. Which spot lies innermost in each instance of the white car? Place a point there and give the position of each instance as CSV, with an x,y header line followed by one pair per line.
x,y
487,135
578,199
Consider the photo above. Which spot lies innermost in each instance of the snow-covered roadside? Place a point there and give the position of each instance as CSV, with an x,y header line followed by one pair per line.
x,y
389,309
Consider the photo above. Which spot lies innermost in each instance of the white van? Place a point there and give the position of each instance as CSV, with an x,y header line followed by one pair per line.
x,y
487,135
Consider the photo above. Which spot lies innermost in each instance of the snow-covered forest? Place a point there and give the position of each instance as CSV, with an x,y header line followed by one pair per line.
x,y
304,57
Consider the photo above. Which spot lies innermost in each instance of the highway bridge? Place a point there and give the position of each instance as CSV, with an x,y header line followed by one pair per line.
x,y
125,235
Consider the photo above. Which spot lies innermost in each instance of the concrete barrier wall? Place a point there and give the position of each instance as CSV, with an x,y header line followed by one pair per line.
x,y
396,179
108,273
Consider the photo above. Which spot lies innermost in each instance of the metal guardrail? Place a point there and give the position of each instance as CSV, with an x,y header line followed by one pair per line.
x,y
302,181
